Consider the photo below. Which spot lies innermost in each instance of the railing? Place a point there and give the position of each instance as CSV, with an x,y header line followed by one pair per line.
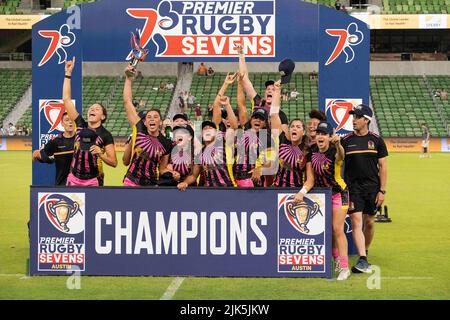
x,y
15,56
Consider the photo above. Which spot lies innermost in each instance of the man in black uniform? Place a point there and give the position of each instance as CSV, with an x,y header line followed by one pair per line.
x,y
61,149
365,175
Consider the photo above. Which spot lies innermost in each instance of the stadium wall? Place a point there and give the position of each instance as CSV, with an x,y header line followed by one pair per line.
x,y
393,144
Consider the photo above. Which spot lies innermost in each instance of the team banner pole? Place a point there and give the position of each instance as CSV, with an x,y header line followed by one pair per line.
x,y
54,40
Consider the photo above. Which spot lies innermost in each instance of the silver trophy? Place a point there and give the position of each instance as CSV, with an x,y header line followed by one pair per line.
x,y
138,54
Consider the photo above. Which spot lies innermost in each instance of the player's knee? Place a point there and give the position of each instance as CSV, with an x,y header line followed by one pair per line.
x,y
338,229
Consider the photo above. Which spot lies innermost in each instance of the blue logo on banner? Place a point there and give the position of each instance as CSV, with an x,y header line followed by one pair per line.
x,y
347,38
50,117
61,231
301,234
338,113
59,40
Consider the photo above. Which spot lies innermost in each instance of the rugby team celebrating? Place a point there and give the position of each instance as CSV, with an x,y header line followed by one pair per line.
x,y
234,150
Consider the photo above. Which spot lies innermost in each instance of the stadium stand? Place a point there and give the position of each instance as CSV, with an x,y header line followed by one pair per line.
x,y
401,103
442,83
146,89
416,6
329,3
404,6
9,7
108,91
26,119
70,3
13,84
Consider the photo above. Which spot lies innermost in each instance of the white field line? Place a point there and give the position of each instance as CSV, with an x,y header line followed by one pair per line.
x,y
173,287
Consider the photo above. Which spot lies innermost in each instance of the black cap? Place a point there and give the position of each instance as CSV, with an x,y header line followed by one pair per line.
x,y
325,127
208,123
180,116
259,113
286,68
88,138
269,83
225,113
362,110
186,128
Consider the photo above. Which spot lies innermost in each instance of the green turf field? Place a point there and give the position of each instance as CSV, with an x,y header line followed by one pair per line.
x,y
413,252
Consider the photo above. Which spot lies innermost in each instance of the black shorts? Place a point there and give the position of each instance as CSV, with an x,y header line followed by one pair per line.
x,y
363,202
345,198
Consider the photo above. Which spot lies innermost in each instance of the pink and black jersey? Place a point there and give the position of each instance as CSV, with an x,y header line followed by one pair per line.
x,y
213,159
148,152
85,165
291,172
182,161
248,148
327,170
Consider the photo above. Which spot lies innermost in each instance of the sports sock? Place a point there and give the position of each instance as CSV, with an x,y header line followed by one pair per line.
x,y
344,261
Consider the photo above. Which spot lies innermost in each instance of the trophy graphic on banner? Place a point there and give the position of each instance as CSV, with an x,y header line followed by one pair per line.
x,y
303,213
63,211
138,54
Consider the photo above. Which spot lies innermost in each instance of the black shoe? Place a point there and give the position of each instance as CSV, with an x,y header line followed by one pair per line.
x,y
362,267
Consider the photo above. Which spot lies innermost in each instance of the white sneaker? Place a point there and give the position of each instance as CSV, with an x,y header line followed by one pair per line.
x,y
344,274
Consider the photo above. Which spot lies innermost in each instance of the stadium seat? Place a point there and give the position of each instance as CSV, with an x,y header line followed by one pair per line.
x,y
402,102
13,84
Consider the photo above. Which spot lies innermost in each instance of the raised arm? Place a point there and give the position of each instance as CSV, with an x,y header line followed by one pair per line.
x,y
248,86
242,110
67,91
217,112
126,158
225,101
130,110
275,121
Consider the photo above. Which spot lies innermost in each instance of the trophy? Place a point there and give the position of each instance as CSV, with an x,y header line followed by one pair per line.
x,y
137,53
63,211
303,213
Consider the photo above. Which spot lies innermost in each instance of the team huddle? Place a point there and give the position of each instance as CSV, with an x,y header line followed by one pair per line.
x,y
234,149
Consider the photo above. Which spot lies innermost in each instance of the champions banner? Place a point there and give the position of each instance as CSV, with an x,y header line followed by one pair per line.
x,y
165,232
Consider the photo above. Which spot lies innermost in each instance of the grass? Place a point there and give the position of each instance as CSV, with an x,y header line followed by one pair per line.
x,y
413,251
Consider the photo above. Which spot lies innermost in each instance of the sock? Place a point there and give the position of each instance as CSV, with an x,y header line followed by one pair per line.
x,y
344,261
363,258
367,253
335,253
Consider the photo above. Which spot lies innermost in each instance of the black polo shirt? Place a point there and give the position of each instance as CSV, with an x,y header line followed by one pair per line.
x,y
361,172
61,148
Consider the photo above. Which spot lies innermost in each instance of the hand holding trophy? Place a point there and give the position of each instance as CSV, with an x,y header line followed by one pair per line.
x,y
138,54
